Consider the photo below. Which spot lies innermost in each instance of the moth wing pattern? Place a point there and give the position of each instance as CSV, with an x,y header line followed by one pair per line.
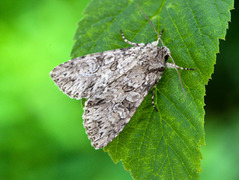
x,y
107,113
87,75
115,83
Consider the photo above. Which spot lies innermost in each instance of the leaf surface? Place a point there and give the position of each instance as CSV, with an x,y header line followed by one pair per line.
x,y
164,144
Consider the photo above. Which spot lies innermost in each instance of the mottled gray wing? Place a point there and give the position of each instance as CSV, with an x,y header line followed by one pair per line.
x,y
87,75
107,113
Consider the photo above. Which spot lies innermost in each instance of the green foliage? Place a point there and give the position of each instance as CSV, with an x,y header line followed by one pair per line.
x,y
164,144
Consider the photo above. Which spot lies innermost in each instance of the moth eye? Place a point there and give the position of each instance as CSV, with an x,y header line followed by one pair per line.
x,y
161,68
166,57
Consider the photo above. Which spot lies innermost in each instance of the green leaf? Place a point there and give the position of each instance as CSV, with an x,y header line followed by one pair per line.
x,y
164,144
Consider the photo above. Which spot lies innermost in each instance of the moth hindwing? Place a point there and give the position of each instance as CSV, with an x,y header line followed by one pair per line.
x,y
115,83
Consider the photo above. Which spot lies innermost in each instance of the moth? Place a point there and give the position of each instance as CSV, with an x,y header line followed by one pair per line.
x,y
115,83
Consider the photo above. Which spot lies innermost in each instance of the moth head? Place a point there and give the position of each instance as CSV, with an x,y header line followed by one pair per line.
x,y
161,58
162,54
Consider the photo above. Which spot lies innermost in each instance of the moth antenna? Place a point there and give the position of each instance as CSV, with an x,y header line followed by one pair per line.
x,y
159,35
159,39
179,76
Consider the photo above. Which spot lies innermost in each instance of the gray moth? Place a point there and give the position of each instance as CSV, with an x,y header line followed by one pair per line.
x,y
115,83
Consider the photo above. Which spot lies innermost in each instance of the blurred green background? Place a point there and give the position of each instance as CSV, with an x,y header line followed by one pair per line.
x,y
41,131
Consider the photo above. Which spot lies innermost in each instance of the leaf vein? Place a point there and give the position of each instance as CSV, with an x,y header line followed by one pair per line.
x,y
180,112
184,142
161,122
218,13
140,146
183,164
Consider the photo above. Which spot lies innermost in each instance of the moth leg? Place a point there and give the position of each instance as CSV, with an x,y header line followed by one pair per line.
x,y
153,96
174,66
127,41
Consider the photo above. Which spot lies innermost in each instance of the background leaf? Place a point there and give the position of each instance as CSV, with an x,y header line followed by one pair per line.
x,y
164,144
